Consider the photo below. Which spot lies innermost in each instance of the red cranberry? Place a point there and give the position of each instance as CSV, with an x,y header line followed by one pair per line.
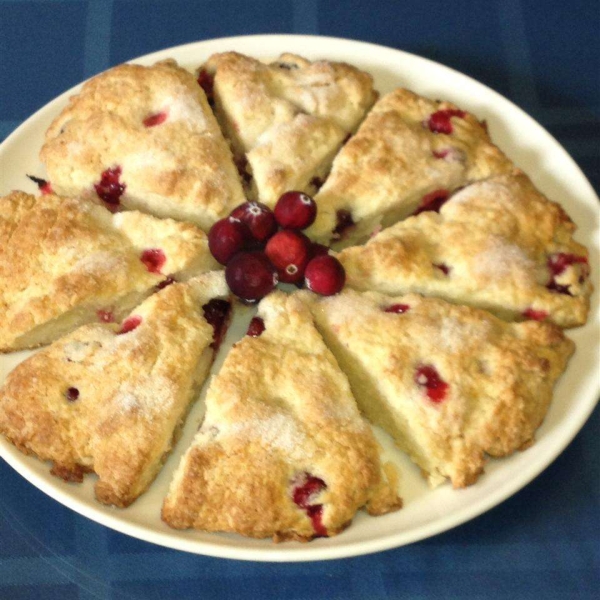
x,y
110,189
259,219
256,327
129,324
288,251
397,308
43,185
535,315
216,312
445,269
154,259
105,316
207,82
226,238
250,275
433,201
305,489
428,377
72,394
295,210
344,223
557,263
155,119
167,281
439,121
325,275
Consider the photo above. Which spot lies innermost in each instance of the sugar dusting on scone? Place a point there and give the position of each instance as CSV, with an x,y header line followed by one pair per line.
x,y
283,451
144,138
450,383
109,398
408,155
65,262
498,244
286,120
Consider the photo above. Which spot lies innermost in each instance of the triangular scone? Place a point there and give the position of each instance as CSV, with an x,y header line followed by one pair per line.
x,y
287,119
409,152
65,262
110,398
283,451
498,244
144,138
449,383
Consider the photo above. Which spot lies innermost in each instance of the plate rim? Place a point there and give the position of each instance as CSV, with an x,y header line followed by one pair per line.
x,y
313,551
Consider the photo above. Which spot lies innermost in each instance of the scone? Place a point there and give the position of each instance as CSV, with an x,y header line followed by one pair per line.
x,y
449,383
110,398
498,244
286,120
144,138
283,451
408,155
65,262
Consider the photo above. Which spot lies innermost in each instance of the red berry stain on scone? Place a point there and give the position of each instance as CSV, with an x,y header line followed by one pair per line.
x,y
295,210
256,327
251,275
427,376
535,315
129,324
207,82
445,269
433,201
44,186
154,259
325,275
558,263
288,250
398,309
105,316
450,154
167,281
258,217
156,119
110,188
305,489
227,237
216,312
439,121
72,394
344,223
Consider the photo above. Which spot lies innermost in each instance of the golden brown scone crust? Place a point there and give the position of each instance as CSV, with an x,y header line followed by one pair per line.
x,y
289,118
62,260
133,388
384,171
181,168
498,238
500,376
279,408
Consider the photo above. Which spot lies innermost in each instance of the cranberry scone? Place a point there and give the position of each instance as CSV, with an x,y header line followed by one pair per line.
x,y
409,155
68,261
110,398
283,451
450,383
498,244
288,119
144,138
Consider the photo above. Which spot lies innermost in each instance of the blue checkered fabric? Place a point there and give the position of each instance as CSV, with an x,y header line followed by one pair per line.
x,y
543,543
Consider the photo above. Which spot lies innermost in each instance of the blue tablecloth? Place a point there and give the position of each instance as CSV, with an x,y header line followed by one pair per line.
x,y
542,543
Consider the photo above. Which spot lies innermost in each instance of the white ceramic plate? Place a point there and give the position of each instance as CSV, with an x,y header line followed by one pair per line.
x,y
426,512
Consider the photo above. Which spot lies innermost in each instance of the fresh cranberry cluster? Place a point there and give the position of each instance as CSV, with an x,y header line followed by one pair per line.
x,y
261,248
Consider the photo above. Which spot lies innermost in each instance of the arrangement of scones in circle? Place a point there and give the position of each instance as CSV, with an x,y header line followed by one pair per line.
x,y
437,283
